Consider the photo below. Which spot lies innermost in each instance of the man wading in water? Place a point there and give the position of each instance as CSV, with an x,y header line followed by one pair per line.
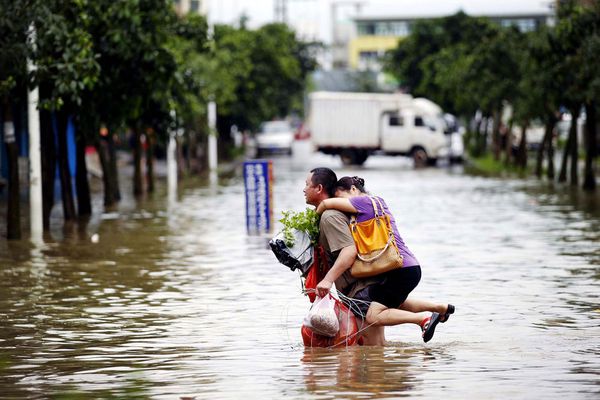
x,y
338,244
335,238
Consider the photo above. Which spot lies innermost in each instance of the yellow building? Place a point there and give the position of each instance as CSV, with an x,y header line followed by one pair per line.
x,y
364,52
376,35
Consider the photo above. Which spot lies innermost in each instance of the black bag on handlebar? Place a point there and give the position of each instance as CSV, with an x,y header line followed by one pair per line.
x,y
299,256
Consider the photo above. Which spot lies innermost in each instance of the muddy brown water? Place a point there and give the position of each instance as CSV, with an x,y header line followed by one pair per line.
x,y
159,300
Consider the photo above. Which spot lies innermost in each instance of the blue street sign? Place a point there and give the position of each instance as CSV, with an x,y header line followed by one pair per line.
x,y
258,181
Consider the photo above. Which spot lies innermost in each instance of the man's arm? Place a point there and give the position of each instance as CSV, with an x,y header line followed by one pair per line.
x,y
342,263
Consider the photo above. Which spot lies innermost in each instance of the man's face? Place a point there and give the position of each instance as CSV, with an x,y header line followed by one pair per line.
x,y
311,191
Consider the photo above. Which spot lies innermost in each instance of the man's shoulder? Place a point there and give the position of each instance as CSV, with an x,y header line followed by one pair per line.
x,y
333,215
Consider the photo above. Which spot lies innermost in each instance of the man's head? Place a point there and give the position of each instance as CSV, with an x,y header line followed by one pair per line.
x,y
320,185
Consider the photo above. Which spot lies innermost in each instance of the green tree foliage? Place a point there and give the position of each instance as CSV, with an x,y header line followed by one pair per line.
x,y
263,71
15,19
409,61
469,64
133,90
116,65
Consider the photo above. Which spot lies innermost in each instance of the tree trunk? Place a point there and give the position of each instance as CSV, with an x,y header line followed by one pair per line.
x,y
550,149
150,160
137,163
540,151
62,118
591,147
575,148
508,143
475,138
84,201
187,153
562,176
48,151
496,134
482,138
522,149
193,144
113,175
109,194
13,207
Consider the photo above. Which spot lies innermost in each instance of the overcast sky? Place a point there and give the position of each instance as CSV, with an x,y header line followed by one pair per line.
x,y
313,17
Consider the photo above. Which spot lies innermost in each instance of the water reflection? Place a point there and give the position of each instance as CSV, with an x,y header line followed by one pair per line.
x,y
382,372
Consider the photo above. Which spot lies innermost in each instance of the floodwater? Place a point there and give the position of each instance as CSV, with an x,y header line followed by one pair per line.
x,y
173,300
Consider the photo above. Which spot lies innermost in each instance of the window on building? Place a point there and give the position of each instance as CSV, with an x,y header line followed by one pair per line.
x,y
524,24
382,29
400,28
368,55
366,28
195,6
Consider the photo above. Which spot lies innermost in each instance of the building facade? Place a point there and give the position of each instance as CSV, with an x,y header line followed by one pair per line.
x,y
191,6
376,35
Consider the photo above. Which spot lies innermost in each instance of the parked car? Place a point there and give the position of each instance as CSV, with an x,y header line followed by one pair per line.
x,y
275,137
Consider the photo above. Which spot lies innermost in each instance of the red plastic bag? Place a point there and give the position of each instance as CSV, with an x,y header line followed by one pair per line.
x,y
310,285
346,336
316,273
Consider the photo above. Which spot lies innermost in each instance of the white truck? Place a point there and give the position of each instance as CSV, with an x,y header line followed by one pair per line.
x,y
356,125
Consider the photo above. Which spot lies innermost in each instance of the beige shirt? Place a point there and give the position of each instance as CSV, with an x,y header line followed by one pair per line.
x,y
334,235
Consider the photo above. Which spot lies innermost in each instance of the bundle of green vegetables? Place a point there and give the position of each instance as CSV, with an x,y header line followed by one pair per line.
x,y
307,221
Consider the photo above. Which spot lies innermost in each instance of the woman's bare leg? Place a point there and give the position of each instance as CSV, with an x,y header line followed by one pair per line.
x,y
416,305
380,315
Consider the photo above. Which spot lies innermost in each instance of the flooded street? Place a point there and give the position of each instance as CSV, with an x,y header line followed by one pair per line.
x,y
175,300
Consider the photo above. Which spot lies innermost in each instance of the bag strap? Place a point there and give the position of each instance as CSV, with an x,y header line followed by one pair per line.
x,y
380,203
376,212
375,209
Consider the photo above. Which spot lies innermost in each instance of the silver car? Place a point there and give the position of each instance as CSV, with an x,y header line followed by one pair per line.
x,y
275,137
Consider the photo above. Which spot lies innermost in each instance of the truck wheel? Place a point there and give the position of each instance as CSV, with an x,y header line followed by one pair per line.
x,y
353,157
347,157
419,156
361,157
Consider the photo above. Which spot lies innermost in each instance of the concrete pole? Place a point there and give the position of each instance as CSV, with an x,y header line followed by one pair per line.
x,y
212,136
35,159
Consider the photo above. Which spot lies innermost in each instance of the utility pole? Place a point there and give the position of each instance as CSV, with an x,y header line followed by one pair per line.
x,y
338,43
211,109
35,157
281,10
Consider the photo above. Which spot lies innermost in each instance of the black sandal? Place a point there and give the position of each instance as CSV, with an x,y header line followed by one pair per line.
x,y
428,326
449,310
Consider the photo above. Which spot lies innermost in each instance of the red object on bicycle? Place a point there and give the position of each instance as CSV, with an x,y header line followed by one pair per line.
x,y
316,272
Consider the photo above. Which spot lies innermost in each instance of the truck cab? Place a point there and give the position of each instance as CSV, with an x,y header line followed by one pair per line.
x,y
413,133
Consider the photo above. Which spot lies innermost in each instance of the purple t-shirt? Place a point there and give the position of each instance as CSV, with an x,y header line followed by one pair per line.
x,y
365,212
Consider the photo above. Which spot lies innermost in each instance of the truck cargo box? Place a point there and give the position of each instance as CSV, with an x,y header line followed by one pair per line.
x,y
340,119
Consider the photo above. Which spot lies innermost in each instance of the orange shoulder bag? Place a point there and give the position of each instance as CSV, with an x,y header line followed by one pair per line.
x,y
375,244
